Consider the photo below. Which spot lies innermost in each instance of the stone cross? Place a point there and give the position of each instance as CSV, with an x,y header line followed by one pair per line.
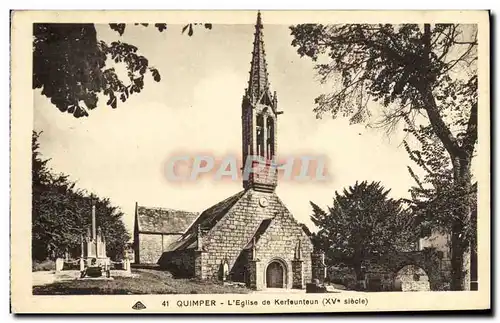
x,y
94,222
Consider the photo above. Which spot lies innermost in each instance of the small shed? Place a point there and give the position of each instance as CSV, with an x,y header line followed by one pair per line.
x,y
155,228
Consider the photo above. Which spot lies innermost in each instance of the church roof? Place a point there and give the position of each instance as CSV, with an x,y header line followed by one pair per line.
x,y
206,220
306,229
212,215
163,220
187,242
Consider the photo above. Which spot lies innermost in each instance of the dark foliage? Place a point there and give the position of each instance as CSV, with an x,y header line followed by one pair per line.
x,y
61,214
69,65
423,74
363,222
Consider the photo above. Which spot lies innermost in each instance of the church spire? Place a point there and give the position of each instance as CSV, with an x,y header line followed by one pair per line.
x,y
258,83
259,122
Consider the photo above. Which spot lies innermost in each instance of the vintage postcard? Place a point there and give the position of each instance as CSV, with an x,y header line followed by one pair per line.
x,y
250,161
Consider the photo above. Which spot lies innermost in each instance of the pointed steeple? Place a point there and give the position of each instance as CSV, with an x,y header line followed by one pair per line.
x,y
258,83
259,117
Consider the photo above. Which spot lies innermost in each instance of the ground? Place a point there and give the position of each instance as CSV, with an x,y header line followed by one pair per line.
x,y
144,281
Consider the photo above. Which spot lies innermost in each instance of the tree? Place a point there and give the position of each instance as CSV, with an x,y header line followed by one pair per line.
x,y
427,74
61,214
116,235
69,65
433,198
363,222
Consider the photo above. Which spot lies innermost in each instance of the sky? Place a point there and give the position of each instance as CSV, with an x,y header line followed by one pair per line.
x,y
196,109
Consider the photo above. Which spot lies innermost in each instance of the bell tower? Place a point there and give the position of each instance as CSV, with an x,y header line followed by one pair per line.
x,y
259,122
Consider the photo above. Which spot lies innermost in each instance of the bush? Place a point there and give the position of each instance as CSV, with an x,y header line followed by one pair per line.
x,y
46,265
342,274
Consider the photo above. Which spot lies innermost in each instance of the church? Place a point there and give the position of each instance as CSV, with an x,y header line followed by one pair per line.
x,y
251,236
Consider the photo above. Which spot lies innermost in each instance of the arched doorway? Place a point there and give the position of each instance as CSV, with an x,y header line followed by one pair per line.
x,y
275,275
411,278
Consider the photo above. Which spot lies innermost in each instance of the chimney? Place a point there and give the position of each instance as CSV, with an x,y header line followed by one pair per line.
x,y
94,236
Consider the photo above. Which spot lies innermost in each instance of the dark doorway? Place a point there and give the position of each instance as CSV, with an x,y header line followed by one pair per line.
x,y
274,275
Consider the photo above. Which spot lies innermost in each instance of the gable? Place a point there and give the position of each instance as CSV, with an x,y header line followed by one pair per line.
x,y
246,220
240,216
163,220
303,226
283,238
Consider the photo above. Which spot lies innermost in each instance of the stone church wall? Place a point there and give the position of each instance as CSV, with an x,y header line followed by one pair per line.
x,y
279,243
231,234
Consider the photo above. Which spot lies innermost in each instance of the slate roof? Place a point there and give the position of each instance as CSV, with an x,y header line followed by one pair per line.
x,y
306,229
163,220
206,220
187,242
212,215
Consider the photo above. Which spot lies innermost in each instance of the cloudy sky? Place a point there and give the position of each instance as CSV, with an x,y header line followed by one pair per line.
x,y
121,154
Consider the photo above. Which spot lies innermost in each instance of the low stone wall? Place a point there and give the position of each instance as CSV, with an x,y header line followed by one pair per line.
x,y
416,286
404,271
428,260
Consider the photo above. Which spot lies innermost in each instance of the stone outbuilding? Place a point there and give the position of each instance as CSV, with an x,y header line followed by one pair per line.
x,y
155,228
